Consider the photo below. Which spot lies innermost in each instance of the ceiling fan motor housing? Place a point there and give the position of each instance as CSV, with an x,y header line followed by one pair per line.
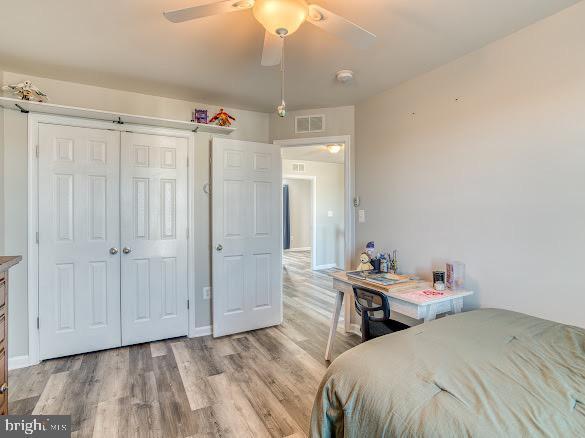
x,y
281,17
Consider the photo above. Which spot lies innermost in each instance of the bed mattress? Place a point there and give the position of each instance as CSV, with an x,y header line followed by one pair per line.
x,y
486,373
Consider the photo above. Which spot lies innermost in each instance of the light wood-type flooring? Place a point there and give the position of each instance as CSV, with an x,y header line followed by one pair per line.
x,y
255,384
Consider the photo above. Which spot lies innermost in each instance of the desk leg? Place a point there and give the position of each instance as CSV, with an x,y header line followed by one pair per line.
x,y
334,321
431,312
457,305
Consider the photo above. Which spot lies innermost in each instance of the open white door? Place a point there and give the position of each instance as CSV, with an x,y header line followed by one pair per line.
x,y
247,236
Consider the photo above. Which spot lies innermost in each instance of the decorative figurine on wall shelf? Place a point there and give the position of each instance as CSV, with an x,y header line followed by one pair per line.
x,y
222,118
199,116
26,91
365,264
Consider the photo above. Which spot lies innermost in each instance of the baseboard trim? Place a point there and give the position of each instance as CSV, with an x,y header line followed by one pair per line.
x,y
308,248
201,331
321,267
18,362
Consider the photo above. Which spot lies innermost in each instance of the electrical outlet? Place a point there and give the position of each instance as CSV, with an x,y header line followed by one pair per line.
x,y
206,293
329,213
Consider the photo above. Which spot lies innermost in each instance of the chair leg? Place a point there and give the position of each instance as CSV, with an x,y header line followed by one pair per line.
x,y
365,327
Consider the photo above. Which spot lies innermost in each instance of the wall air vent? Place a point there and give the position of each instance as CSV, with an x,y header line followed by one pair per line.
x,y
298,167
306,124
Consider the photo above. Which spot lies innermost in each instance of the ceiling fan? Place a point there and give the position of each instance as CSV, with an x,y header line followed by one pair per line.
x,y
280,18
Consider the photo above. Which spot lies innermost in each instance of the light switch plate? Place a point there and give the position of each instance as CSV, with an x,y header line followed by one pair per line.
x,y
206,293
330,213
362,216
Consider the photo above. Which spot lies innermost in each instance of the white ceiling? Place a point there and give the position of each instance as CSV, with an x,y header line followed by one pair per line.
x,y
312,153
129,45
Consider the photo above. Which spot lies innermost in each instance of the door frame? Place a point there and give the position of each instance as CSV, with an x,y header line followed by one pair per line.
x,y
34,119
349,183
313,180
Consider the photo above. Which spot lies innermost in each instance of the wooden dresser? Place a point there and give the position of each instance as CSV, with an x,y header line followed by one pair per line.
x,y
5,264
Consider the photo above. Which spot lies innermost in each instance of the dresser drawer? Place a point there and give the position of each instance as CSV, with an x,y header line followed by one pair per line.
x,y
3,382
2,292
2,331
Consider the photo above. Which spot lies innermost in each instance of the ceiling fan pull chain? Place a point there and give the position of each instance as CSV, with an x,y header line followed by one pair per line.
x,y
282,106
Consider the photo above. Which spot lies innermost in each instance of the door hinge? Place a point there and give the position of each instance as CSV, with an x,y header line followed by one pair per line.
x,y
187,304
38,323
187,233
37,151
37,237
187,161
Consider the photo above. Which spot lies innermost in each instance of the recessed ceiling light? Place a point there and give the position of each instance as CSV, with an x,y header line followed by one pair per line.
x,y
344,76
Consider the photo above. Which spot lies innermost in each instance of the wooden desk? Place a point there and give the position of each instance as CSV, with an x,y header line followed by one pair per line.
x,y
450,302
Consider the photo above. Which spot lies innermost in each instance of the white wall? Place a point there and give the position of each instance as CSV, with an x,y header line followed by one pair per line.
x,y
483,160
1,172
338,121
300,193
15,226
1,181
329,231
253,126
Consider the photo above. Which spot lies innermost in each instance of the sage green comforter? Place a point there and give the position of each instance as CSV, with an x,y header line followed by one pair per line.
x,y
486,373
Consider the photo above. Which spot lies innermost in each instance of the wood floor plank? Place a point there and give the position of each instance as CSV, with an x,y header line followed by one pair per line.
x,y
255,384
235,415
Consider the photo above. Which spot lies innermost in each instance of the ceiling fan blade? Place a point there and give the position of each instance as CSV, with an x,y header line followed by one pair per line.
x,y
215,8
339,26
272,53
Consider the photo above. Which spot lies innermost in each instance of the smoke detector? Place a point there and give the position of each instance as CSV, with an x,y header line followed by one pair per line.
x,y
344,76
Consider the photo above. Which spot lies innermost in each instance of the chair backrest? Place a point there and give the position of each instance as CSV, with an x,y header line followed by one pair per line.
x,y
371,304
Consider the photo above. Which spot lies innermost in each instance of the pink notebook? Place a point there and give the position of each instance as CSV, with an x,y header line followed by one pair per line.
x,y
424,296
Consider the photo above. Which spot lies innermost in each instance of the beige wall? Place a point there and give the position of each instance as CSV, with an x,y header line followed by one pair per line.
x,y
483,160
329,181
300,193
253,126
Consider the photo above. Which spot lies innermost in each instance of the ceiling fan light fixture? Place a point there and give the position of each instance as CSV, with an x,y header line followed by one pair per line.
x,y
334,148
281,17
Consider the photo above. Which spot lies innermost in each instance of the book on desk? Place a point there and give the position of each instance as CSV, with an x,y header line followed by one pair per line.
x,y
381,278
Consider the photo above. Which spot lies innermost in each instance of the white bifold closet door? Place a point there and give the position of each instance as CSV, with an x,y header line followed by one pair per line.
x,y
79,279
154,237
113,215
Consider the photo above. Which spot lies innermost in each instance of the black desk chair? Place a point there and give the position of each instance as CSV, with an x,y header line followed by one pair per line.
x,y
374,308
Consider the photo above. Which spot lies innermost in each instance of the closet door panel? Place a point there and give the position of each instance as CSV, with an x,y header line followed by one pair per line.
x,y
79,277
154,235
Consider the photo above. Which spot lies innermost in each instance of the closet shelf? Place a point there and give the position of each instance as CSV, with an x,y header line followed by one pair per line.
x,y
121,118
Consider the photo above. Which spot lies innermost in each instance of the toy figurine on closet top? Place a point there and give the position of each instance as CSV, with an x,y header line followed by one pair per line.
x,y
222,118
26,91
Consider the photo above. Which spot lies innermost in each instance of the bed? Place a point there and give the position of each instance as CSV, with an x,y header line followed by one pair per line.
x,y
486,373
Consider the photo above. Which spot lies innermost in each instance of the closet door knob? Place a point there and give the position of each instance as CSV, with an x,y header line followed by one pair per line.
x,y
3,388
126,250
219,248
113,251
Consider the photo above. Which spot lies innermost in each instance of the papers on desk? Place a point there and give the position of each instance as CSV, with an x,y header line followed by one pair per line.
x,y
379,279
